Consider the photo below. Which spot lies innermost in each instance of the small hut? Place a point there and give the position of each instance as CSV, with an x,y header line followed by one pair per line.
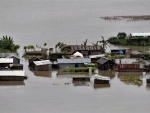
x,y
16,59
18,75
105,64
31,61
44,65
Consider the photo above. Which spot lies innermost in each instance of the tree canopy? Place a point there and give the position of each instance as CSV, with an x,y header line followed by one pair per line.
x,y
7,44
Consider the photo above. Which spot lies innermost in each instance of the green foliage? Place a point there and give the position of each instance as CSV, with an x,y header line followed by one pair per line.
x,y
116,41
7,44
132,80
139,41
26,56
44,44
29,47
44,55
121,35
112,57
89,65
78,69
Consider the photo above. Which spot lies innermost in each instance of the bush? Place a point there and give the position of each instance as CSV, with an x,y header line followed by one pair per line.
x,y
121,35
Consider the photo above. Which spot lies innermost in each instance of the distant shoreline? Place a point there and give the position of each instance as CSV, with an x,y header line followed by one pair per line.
x,y
127,18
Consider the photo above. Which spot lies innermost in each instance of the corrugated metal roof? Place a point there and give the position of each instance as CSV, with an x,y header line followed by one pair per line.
x,y
43,62
125,61
96,56
6,60
102,60
74,60
80,47
12,73
100,77
140,34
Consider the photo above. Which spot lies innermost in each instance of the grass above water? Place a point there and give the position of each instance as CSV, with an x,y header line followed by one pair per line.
x,y
78,69
132,80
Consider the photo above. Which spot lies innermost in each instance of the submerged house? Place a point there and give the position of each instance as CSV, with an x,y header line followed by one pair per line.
x,y
36,51
5,62
121,51
44,65
94,58
73,62
85,50
17,75
16,66
129,65
16,59
31,61
137,35
105,64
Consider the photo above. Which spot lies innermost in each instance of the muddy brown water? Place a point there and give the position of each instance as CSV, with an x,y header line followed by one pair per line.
x,y
72,22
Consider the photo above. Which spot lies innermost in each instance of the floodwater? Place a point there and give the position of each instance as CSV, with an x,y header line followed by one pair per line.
x,y
72,22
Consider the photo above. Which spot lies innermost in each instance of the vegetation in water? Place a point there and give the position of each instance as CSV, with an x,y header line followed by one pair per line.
x,y
112,57
78,69
7,45
132,80
138,41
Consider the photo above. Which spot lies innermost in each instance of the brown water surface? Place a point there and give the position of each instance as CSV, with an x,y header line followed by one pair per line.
x,y
72,22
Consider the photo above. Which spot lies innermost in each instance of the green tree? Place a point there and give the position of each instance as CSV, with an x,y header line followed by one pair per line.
x,y
45,44
121,35
7,43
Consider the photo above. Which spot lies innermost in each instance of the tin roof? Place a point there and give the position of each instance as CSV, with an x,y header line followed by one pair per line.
x,y
81,47
125,61
6,60
74,60
43,62
12,73
100,77
140,34
96,56
102,60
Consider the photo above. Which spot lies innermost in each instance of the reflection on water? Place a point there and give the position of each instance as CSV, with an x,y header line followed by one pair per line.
x,y
148,86
135,74
80,83
11,83
101,86
108,73
42,73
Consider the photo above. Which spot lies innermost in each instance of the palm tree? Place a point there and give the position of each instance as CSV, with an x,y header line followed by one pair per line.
x,y
95,44
104,43
84,43
57,45
7,42
45,44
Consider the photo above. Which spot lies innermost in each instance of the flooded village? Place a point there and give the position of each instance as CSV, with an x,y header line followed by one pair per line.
x,y
74,56
79,59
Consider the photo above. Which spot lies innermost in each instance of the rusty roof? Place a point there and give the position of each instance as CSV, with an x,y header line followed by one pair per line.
x,y
81,47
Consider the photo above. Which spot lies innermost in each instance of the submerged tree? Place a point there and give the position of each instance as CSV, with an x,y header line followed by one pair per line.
x,y
59,45
104,44
7,43
84,43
